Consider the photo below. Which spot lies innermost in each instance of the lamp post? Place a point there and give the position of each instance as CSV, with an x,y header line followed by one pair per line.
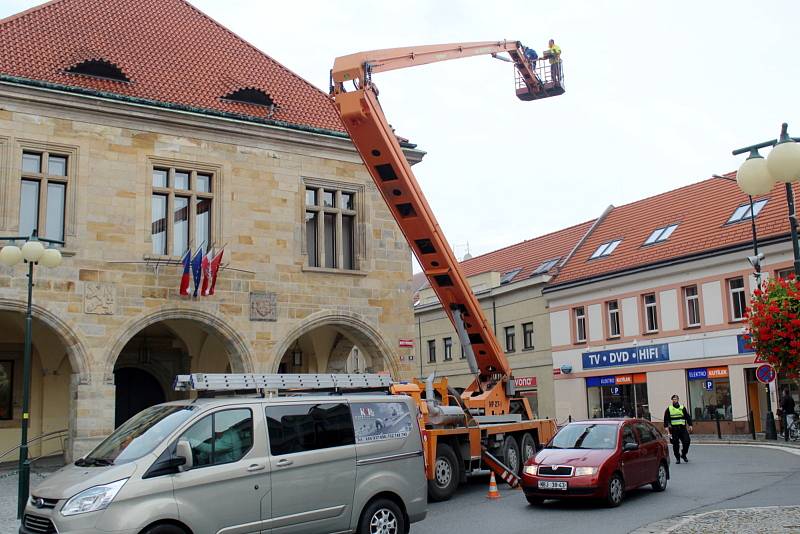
x,y
32,253
757,257
757,176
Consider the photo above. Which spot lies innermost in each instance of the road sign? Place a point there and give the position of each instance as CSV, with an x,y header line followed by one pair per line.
x,y
765,373
708,385
406,343
759,359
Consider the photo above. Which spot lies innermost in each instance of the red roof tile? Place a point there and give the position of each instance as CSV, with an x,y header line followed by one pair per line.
x,y
172,53
525,257
700,210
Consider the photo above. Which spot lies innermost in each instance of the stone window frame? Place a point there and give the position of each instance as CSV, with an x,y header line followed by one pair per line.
x,y
4,173
71,180
217,179
360,214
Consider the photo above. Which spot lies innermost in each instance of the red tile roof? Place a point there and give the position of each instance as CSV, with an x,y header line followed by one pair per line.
x,y
172,53
523,257
700,210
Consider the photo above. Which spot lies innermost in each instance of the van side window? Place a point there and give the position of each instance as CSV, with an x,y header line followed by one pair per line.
x,y
221,438
307,427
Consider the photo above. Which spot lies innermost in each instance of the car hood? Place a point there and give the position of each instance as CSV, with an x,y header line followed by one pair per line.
x,y
575,457
71,479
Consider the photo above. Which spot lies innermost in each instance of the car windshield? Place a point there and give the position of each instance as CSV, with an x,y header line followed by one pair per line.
x,y
585,436
138,435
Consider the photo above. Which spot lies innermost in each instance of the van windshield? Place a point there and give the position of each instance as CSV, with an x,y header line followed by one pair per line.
x,y
138,435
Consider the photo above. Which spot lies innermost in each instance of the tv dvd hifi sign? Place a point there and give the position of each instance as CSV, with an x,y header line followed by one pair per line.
x,y
626,356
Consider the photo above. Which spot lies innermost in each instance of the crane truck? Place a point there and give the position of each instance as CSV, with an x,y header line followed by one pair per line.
x,y
487,426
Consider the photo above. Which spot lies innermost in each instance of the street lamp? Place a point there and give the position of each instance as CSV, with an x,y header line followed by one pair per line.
x,y
757,176
32,252
757,257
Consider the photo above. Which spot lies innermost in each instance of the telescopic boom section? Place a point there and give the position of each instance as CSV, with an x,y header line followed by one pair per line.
x,y
374,139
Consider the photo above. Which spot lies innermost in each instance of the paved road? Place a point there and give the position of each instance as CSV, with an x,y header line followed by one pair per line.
x,y
718,477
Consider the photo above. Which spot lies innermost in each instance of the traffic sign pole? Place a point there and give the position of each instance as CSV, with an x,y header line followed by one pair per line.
x,y
765,374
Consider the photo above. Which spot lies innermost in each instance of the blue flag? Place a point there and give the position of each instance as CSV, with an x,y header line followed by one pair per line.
x,y
197,272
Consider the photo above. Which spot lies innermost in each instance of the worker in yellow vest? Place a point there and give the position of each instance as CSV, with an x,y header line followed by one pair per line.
x,y
554,54
678,423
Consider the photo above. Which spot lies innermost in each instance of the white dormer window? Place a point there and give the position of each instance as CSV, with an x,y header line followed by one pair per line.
x,y
546,266
606,249
660,235
744,212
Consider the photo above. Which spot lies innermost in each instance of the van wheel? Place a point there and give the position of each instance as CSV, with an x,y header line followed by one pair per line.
x,y
446,474
164,529
527,447
511,456
382,517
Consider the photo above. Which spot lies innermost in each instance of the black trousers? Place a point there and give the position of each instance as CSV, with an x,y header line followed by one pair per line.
x,y
680,436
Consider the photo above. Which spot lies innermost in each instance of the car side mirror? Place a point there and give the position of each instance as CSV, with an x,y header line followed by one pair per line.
x,y
183,451
630,446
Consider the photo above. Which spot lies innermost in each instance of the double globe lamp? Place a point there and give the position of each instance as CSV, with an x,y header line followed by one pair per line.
x,y
757,175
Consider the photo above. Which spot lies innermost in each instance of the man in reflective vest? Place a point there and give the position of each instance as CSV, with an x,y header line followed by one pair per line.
x,y
678,423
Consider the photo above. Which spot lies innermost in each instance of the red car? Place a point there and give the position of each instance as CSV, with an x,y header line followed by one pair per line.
x,y
600,458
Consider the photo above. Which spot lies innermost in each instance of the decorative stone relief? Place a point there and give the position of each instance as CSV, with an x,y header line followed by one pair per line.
x,y
99,299
263,306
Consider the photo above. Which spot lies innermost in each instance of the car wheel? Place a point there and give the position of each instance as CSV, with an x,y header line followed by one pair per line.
x,y
533,500
382,517
511,455
660,483
527,447
616,491
446,474
164,529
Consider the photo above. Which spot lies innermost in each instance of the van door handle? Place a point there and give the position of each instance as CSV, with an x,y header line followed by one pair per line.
x,y
256,467
284,462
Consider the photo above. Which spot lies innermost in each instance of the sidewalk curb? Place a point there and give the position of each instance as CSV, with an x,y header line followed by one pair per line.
x,y
785,448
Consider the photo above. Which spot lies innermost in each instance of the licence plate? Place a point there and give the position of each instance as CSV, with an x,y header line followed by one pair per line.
x,y
552,484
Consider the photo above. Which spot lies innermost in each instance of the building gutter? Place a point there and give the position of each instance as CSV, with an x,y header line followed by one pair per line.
x,y
666,263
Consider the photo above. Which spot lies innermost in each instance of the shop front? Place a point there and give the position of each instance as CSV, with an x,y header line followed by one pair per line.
x,y
618,396
526,386
709,398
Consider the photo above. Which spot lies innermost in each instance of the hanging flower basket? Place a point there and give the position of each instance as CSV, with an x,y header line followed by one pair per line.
x,y
773,324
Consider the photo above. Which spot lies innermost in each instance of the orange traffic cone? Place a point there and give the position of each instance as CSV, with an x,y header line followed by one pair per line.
x,y
493,493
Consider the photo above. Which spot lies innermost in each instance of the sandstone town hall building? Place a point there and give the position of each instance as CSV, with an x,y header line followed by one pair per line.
x,y
137,130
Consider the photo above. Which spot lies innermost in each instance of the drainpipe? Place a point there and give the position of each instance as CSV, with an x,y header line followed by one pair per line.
x,y
419,353
494,316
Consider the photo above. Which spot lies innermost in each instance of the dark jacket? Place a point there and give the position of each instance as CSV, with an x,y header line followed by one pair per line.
x,y
787,405
686,416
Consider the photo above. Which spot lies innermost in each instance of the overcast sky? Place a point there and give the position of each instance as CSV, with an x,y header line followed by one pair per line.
x,y
658,94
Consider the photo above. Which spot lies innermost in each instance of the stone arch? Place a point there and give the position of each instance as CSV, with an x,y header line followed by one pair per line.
x,y
353,324
76,352
235,344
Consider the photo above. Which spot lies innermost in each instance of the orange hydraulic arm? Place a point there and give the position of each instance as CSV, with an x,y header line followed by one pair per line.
x,y
374,139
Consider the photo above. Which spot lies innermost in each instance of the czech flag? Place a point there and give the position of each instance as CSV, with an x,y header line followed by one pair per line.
x,y
215,263
197,262
186,261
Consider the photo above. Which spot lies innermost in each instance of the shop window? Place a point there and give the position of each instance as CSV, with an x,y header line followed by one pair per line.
x,y
330,227
738,299
432,351
527,336
448,349
612,307
618,396
650,312
6,389
580,324
710,393
692,303
510,335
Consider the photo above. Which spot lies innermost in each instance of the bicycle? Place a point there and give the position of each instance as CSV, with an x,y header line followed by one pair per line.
x,y
794,430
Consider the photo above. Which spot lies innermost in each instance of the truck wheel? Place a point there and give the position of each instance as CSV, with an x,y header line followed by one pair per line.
x,y
446,474
527,447
511,455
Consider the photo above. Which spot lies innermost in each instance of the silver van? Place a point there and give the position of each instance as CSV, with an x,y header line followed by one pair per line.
x,y
312,463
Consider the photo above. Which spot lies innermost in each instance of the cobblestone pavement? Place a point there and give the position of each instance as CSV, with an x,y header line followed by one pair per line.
x,y
8,496
760,520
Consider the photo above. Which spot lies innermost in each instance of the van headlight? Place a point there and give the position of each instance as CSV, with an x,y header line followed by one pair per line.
x,y
93,499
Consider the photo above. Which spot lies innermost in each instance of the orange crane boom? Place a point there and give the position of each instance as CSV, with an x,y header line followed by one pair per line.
x,y
378,146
